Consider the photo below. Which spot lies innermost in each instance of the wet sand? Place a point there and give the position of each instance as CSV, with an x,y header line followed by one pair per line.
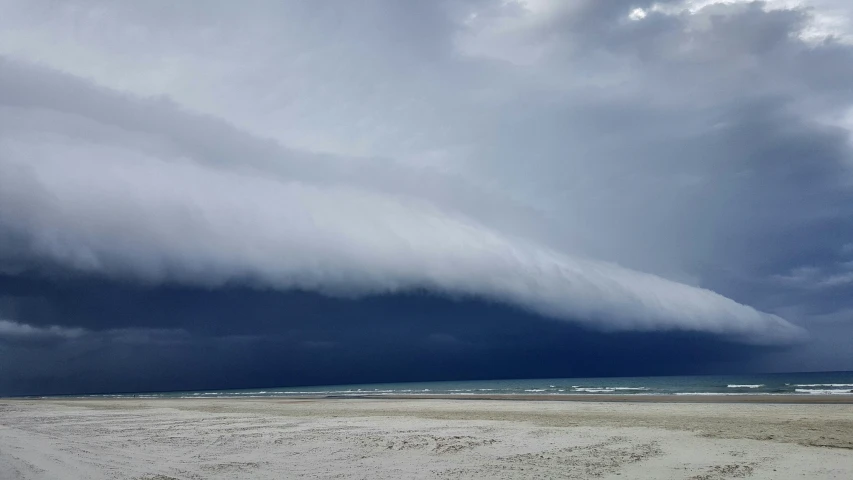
x,y
425,438
746,398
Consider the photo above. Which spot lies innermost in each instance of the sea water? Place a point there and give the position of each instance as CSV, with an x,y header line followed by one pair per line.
x,y
825,383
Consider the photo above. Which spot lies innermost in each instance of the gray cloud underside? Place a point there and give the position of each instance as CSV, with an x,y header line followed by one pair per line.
x,y
524,138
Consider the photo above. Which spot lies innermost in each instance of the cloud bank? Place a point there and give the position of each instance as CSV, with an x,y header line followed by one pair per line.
x,y
92,198
608,163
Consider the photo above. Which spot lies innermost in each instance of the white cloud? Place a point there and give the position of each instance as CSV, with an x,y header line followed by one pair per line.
x,y
98,200
562,137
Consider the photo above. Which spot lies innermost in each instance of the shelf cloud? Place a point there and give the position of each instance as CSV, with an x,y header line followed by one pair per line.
x,y
112,200
675,172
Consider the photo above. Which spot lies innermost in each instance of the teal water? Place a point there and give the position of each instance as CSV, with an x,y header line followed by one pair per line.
x,y
833,383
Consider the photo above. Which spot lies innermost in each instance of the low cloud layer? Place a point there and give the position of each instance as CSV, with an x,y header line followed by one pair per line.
x,y
626,166
98,198
15,330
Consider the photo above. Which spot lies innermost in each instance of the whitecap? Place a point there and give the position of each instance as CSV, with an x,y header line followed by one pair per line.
x,y
823,391
824,385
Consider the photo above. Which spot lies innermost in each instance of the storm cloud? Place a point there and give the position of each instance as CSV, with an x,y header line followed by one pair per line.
x,y
662,168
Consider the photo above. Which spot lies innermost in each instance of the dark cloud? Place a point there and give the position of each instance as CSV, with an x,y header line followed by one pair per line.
x,y
183,338
130,211
348,183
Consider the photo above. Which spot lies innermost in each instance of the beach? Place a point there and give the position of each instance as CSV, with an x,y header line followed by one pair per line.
x,y
423,438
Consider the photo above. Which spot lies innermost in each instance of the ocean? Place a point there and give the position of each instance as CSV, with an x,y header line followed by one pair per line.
x,y
826,383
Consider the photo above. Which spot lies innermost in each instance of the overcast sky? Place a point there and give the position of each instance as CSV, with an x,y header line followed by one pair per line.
x,y
215,194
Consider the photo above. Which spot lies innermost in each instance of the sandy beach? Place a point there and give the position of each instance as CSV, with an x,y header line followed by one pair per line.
x,y
422,438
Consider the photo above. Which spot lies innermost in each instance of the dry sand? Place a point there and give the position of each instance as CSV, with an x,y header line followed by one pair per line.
x,y
430,438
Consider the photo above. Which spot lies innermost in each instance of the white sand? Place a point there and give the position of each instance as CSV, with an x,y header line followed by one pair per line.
x,y
224,438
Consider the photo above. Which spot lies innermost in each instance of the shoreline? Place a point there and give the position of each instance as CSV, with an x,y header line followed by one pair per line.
x,y
842,399
745,398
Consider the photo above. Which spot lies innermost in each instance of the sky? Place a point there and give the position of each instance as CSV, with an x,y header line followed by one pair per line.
x,y
269,193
